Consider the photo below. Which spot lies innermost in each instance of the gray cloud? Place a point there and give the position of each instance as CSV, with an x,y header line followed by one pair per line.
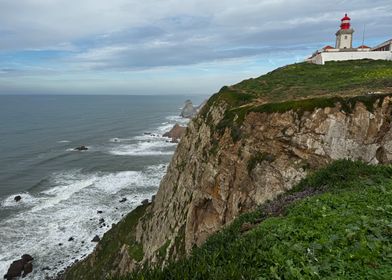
x,y
132,34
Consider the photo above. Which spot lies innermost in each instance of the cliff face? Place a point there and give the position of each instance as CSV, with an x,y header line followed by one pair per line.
x,y
229,162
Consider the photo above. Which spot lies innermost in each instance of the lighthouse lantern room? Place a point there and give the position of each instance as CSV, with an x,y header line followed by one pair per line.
x,y
344,37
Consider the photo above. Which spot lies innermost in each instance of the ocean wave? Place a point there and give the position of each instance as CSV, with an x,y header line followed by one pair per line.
x,y
69,209
26,200
144,148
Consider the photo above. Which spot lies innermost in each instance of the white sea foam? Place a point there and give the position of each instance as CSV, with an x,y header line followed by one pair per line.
x,y
69,209
142,148
64,141
26,200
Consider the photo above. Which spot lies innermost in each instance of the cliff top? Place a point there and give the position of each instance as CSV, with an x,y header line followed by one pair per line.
x,y
304,80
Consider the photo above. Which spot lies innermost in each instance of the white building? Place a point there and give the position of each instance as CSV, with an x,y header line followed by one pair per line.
x,y
344,48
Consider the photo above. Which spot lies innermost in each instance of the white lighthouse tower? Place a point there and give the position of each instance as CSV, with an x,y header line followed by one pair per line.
x,y
344,37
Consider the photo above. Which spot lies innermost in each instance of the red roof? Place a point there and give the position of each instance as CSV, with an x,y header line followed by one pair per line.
x,y
328,48
363,47
346,17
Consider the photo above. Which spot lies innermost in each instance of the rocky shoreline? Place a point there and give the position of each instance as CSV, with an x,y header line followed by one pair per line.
x,y
22,267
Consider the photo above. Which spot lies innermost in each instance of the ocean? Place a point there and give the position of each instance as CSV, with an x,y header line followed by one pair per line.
x,y
63,191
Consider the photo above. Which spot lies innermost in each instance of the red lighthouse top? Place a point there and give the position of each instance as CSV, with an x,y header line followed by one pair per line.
x,y
345,22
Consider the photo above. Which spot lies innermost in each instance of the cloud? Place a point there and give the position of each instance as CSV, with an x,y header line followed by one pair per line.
x,y
72,36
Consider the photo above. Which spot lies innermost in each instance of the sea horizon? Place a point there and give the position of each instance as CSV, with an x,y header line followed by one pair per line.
x,y
68,196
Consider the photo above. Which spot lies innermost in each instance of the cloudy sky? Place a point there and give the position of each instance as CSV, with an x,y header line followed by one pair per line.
x,y
166,46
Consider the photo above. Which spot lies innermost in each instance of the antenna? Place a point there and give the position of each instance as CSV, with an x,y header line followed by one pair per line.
x,y
363,35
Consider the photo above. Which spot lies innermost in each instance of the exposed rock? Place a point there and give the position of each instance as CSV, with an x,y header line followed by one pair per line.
x,y
123,199
23,265
102,220
246,227
17,198
145,201
15,270
81,148
70,239
212,178
27,268
189,111
99,212
96,239
175,133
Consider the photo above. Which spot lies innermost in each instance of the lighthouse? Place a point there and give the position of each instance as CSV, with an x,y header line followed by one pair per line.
x,y
344,50
344,37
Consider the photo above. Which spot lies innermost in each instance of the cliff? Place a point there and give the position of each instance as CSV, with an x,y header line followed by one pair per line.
x,y
250,143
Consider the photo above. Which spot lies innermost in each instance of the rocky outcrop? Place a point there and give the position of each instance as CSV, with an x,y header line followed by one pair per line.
x,y
189,111
212,178
20,267
224,168
175,133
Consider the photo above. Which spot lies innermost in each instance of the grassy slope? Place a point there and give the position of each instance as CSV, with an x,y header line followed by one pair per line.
x,y
304,87
303,80
342,231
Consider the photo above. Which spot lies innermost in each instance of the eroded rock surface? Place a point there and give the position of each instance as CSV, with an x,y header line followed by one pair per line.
x,y
212,178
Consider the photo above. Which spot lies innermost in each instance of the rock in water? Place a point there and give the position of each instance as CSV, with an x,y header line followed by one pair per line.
x,y
28,267
188,111
17,267
123,200
96,239
17,198
81,148
145,202
15,270
27,258
175,133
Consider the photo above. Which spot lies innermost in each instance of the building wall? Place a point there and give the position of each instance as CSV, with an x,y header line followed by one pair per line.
x,y
321,58
344,41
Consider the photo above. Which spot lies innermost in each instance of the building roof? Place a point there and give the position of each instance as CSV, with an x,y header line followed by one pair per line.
x,y
386,43
363,47
346,17
328,48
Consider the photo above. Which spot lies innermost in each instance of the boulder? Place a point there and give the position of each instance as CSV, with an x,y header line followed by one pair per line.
x,y
17,198
27,258
145,202
175,133
24,264
70,239
27,268
96,239
123,200
15,270
81,148
99,212
101,221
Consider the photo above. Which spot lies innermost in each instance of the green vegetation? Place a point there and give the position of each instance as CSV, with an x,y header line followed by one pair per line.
x,y
304,87
103,260
338,227
304,80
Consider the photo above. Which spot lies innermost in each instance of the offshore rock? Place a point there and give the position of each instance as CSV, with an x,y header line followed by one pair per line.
x,y
175,133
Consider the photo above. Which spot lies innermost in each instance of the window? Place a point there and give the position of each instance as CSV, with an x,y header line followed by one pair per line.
x,y
345,37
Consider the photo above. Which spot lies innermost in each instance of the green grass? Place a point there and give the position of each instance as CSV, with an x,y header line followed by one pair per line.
x,y
342,231
303,87
304,80
108,249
